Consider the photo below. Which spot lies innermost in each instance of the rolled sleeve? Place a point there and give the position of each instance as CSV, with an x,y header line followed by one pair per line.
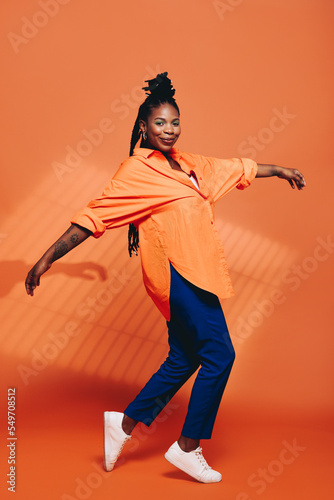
x,y
130,196
118,206
249,172
86,218
223,175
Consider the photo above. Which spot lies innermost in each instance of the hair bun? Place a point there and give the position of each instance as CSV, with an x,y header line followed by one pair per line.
x,y
159,86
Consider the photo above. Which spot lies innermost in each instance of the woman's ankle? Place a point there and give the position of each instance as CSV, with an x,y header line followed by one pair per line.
x,y
188,444
128,424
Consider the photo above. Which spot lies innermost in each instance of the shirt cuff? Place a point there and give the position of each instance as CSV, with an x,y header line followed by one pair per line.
x,y
88,220
250,171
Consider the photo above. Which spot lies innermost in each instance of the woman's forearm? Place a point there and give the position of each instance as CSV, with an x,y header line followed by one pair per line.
x,y
292,175
71,238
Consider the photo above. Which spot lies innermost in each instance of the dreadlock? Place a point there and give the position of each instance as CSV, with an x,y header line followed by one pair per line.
x,y
159,91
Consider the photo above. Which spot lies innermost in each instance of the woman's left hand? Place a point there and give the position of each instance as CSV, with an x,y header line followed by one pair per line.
x,y
293,176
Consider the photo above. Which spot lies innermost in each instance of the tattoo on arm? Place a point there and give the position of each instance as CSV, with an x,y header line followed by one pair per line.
x,y
74,238
61,248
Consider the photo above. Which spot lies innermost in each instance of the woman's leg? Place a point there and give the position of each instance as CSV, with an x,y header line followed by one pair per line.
x,y
178,367
217,357
180,364
200,314
201,318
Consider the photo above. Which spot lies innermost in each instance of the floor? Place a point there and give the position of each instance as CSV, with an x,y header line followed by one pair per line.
x,y
59,447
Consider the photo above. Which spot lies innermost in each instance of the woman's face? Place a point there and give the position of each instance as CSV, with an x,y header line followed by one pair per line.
x,y
162,128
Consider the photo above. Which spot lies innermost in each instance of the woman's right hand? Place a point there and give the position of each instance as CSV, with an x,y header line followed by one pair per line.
x,y
33,277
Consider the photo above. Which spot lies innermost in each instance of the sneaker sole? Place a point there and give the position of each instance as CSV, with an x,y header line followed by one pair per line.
x,y
107,468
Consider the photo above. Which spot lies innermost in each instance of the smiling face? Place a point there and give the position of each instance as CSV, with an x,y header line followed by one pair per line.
x,y
162,128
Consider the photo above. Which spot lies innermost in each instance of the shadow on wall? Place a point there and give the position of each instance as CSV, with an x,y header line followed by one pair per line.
x,y
15,271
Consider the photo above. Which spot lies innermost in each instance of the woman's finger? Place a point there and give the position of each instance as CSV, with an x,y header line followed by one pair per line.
x,y
31,284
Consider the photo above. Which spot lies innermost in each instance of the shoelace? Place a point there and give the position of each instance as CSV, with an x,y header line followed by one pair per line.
x,y
202,460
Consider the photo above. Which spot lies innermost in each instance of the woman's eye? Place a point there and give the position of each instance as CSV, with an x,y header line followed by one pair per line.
x,y
158,123
176,124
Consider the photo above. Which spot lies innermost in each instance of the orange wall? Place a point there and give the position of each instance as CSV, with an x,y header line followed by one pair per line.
x,y
253,78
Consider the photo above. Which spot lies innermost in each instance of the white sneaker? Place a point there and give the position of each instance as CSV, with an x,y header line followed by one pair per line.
x,y
193,463
114,438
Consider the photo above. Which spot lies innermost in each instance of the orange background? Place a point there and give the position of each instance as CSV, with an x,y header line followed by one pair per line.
x,y
253,78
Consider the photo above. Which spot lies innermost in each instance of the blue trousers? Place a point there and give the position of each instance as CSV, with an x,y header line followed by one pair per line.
x,y
198,337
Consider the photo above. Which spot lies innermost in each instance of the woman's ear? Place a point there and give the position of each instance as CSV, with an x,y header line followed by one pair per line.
x,y
142,126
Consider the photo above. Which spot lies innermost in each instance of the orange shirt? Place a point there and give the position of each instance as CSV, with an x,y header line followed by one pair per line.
x,y
175,220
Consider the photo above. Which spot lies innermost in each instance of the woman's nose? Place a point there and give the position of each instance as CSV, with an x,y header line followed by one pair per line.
x,y
168,128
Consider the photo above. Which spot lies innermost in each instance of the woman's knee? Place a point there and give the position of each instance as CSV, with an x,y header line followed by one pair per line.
x,y
181,365
219,358
231,354
227,358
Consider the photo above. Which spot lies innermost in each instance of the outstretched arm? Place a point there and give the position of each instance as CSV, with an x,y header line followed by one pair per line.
x,y
70,239
293,176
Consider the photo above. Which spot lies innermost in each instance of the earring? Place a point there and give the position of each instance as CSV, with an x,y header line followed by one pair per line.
x,y
144,136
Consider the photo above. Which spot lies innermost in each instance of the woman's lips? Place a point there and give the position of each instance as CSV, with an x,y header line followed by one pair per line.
x,y
167,141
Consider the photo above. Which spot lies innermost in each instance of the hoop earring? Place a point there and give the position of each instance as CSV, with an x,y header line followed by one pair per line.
x,y
144,136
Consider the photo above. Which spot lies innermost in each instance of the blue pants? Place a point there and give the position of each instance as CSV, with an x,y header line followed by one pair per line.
x,y
197,336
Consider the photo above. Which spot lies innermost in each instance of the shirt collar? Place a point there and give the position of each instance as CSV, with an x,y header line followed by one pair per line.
x,y
146,153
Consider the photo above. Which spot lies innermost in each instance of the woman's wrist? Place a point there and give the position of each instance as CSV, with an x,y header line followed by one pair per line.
x,y
268,170
277,170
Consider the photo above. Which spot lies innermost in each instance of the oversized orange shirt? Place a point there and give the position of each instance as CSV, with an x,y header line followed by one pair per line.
x,y
175,220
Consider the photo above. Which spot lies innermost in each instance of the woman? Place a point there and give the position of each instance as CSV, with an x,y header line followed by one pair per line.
x,y
167,197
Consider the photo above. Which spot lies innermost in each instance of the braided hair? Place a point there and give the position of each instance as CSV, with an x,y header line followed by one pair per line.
x,y
159,91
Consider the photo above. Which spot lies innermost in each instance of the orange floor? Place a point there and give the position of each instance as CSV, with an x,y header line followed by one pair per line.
x,y
59,448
